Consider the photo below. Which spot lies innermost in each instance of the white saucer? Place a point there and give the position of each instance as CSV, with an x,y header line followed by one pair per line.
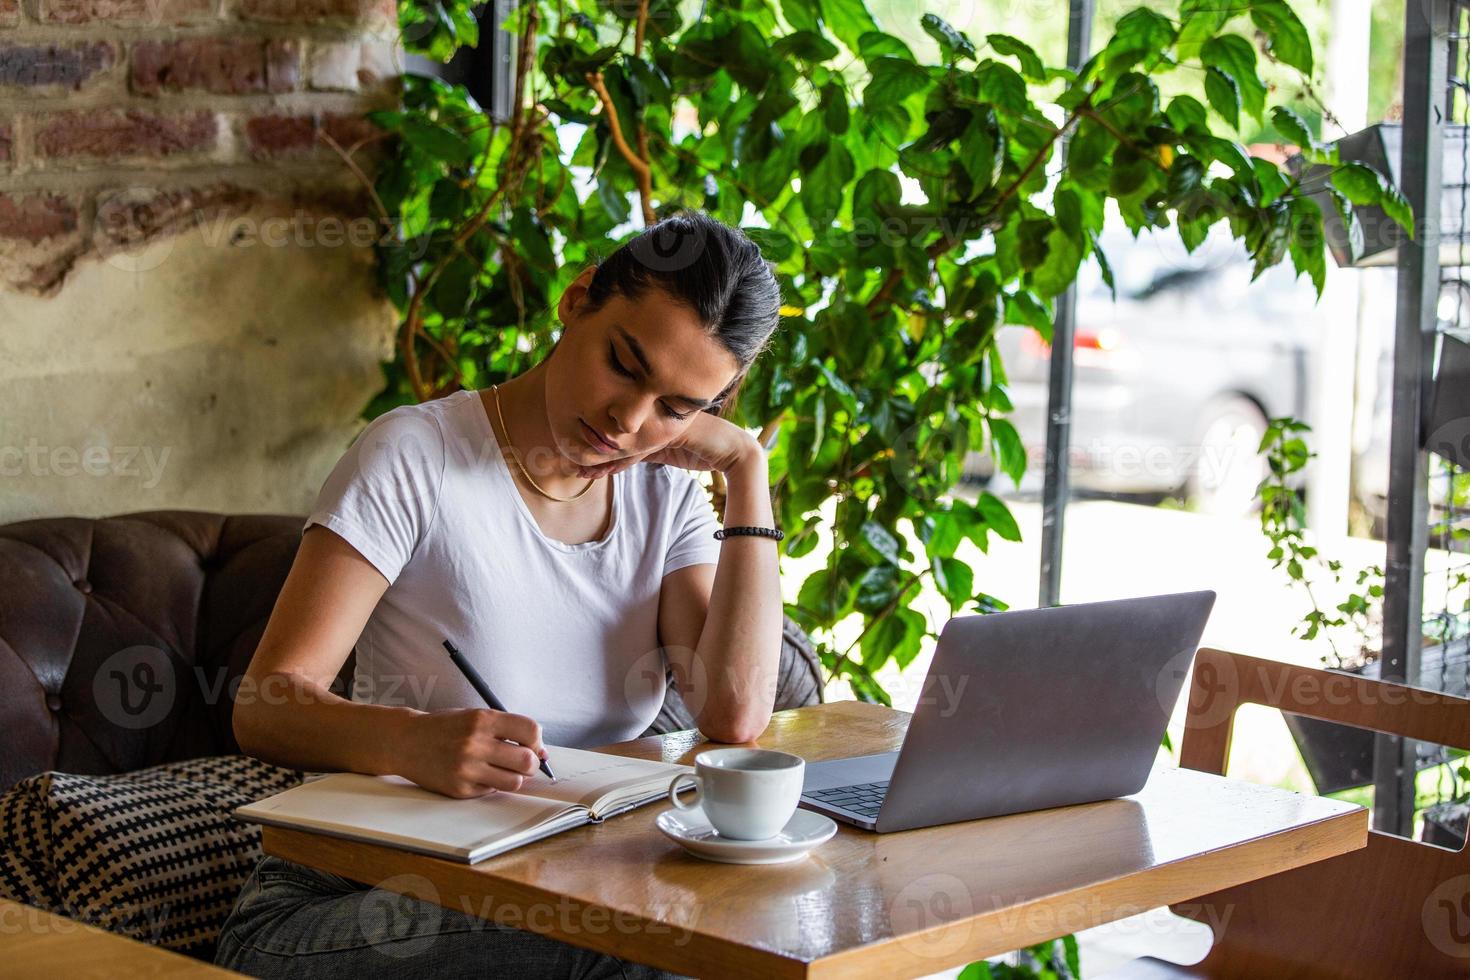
x,y
691,830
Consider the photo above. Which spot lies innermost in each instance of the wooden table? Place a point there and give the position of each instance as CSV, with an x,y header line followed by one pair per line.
x,y
34,943
864,904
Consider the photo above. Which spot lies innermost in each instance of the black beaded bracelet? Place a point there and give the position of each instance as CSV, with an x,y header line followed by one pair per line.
x,y
764,532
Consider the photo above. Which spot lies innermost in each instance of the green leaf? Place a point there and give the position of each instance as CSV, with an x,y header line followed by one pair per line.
x,y
1007,450
1104,267
1224,95
1185,113
982,149
454,290
878,587
531,239
1365,186
1234,56
1024,309
954,44
614,201
775,246
898,636
437,141
1185,176
648,82
1031,65
1292,127
877,194
1144,31
848,19
825,595
876,44
1059,269
1307,242
1199,21
893,79
802,15
1359,183
1072,954
1286,37
822,186
955,579
834,108
998,516
807,45
1004,88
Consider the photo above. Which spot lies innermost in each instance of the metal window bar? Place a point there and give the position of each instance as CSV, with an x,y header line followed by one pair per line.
x,y
1056,482
1434,32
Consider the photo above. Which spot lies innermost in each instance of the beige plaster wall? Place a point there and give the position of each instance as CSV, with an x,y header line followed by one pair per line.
x,y
206,370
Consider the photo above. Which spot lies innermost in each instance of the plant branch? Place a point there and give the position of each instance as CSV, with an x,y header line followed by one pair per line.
x,y
357,171
641,172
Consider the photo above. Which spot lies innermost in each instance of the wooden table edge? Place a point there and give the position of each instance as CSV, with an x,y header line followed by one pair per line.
x,y
1349,832
49,944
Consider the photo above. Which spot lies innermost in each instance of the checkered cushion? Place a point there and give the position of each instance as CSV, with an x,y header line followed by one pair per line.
x,y
152,854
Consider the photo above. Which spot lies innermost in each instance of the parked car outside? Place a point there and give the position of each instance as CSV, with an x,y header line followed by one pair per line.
x,y
1175,379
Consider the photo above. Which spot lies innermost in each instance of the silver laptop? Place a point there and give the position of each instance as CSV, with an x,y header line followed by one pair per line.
x,y
1026,710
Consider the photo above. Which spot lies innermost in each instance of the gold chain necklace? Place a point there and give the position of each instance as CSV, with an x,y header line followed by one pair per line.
x,y
495,390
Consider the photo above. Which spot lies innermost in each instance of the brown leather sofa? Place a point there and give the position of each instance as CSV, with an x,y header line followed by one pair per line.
x,y
123,638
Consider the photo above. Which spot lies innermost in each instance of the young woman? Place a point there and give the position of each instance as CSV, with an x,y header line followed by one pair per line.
x,y
517,522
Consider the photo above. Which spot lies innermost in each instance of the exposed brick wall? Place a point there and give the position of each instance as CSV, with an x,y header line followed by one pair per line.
x,y
124,120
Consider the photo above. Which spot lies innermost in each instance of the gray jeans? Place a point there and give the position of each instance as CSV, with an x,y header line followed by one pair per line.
x,y
292,920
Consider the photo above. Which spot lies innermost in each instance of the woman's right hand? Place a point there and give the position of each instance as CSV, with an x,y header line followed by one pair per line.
x,y
463,752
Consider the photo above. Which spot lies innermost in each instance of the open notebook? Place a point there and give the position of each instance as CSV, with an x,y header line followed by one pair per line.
x,y
391,810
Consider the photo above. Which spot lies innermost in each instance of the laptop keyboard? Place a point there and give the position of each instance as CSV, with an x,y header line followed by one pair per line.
x,y
863,799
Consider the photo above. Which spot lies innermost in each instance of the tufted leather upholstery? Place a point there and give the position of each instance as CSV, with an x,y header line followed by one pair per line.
x,y
175,602
184,592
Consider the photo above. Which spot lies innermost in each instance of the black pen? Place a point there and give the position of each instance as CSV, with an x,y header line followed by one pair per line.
x,y
478,683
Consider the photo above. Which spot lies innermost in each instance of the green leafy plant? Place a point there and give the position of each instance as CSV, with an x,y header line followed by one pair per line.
x,y
912,211
1056,959
1284,523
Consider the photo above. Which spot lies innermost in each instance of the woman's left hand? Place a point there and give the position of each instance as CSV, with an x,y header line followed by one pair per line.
x,y
708,442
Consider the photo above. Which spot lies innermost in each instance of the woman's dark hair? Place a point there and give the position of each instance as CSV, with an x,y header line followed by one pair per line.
x,y
712,268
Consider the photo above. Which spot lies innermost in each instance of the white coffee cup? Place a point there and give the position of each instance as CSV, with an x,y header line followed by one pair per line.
x,y
747,794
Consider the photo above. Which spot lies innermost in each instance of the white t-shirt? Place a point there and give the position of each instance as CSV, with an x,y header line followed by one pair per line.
x,y
563,633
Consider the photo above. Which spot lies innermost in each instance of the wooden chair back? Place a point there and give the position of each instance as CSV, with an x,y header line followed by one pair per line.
x,y
1397,908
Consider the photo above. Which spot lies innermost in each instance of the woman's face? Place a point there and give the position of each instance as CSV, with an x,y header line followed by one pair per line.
x,y
635,371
